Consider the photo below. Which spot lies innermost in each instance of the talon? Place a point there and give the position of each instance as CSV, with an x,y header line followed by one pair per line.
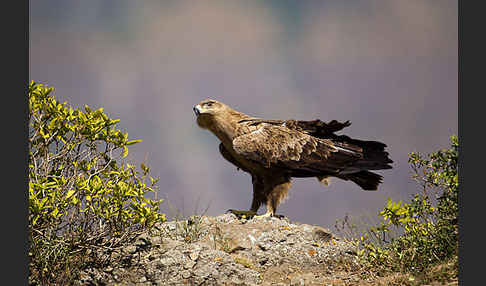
x,y
267,214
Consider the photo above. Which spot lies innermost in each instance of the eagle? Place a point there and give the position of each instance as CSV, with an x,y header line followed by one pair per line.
x,y
275,151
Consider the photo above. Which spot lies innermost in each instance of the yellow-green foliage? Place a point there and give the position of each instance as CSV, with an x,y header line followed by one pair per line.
x,y
81,192
428,222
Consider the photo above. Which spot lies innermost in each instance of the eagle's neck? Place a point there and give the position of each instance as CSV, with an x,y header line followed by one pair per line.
x,y
225,126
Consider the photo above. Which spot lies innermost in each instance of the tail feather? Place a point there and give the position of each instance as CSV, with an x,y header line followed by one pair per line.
x,y
371,165
368,181
374,157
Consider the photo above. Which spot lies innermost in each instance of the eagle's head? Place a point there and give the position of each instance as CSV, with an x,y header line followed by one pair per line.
x,y
207,110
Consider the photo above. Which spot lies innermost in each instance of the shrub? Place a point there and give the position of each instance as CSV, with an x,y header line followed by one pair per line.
x,y
82,195
428,222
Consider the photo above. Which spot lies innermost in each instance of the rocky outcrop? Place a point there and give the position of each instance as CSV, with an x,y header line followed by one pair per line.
x,y
226,250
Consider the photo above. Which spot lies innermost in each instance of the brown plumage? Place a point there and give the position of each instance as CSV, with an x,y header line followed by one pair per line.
x,y
274,151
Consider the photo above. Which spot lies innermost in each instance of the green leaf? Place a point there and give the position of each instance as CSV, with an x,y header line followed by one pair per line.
x,y
70,193
133,142
55,212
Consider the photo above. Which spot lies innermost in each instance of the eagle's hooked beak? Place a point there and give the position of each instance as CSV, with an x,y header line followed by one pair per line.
x,y
196,110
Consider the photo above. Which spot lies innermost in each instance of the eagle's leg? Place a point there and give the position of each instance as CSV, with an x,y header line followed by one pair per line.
x,y
278,193
258,193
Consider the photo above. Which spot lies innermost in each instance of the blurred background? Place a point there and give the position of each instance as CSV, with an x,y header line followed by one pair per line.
x,y
390,67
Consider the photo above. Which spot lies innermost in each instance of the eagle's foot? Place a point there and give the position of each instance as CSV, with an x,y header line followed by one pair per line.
x,y
242,214
269,214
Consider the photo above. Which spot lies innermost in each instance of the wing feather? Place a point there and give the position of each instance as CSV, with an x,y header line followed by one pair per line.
x,y
227,155
268,143
317,128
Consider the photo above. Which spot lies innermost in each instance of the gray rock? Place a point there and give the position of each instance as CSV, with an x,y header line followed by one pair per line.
x,y
297,281
143,240
243,252
189,265
185,274
321,234
194,255
131,249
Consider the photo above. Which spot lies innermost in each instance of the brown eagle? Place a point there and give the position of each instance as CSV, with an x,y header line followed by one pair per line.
x,y
274,151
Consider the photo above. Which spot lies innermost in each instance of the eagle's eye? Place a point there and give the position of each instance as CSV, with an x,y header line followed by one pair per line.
x,y
208,104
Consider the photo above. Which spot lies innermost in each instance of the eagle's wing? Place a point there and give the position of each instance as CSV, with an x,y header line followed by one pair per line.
x,y
227,155
320,129
317,128
275,144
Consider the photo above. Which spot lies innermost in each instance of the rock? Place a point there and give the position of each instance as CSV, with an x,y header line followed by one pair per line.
x,y
143,240
189,264
238,243
186,274
263,246
131,249
229,251
85,278
321,234
307,228
297,281
194,255
204,271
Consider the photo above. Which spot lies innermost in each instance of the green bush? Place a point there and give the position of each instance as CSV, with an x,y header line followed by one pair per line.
x,y
428,222
82,195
